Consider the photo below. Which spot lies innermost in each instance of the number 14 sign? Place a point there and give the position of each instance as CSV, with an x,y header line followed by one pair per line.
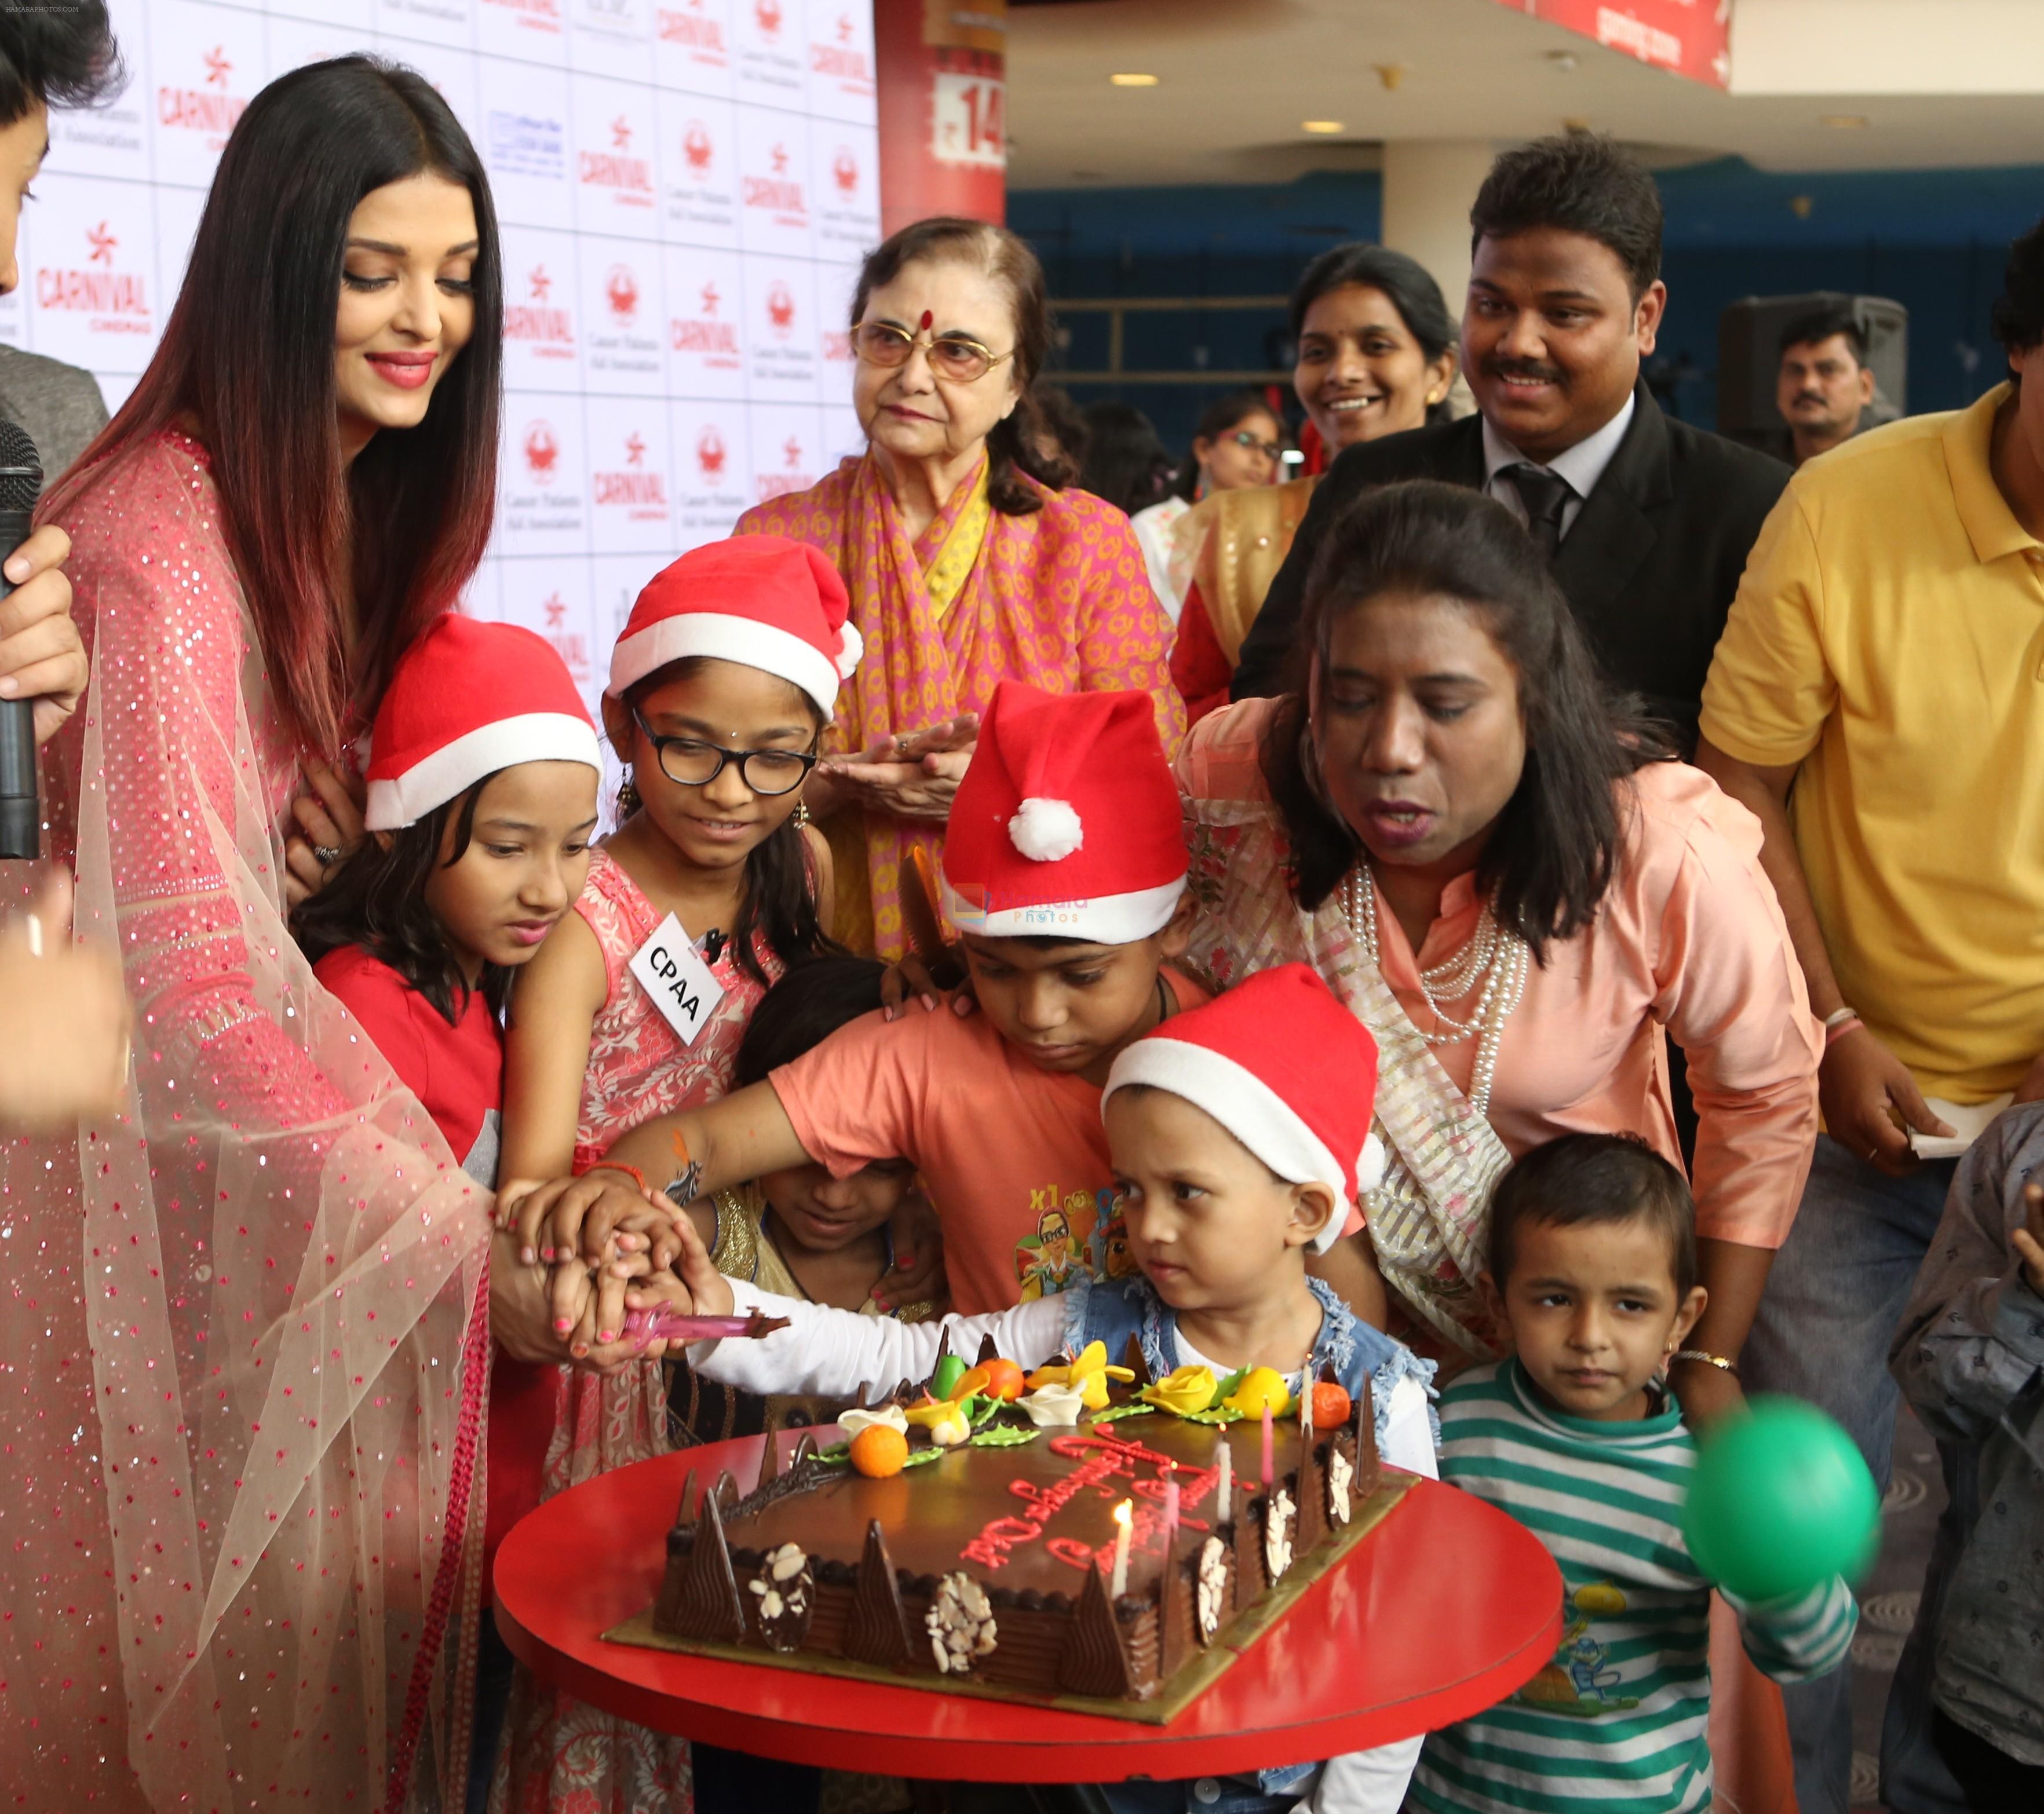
x,y
965,120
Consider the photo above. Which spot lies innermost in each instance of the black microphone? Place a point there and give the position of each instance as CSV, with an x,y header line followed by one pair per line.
x,y
21,813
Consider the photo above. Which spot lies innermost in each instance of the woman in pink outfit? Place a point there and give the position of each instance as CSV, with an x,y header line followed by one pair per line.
x,y
254,1331
1510,882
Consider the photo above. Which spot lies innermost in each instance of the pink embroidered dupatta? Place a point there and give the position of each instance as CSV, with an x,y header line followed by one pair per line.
x,y
1060,598
240,1333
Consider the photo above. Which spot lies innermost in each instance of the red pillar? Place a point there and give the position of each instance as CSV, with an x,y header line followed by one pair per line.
x,y
940,66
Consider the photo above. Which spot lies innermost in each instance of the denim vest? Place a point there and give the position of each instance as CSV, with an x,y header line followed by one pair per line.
x,y
1112,1310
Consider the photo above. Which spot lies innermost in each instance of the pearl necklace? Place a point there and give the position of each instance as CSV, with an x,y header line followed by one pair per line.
x,y
1496,958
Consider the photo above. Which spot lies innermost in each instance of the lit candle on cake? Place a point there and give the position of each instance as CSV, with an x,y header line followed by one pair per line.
x,y
1306,1400
1226,1490
1122,1515
1270,1463
1170,1504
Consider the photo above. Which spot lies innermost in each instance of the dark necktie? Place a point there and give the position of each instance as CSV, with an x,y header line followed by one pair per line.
x,y
1545,495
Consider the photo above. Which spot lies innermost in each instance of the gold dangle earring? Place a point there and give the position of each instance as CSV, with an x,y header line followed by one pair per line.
x,y
628,797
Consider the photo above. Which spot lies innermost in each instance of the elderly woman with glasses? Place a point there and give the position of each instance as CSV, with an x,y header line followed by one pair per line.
x,y
967,559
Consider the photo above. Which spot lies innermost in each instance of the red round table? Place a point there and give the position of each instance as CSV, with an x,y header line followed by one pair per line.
x,y
1447,1606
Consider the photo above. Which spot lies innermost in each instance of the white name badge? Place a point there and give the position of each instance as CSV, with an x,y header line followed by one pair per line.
x,y
672,971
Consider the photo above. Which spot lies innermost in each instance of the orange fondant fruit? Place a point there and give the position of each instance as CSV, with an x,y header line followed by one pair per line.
x,y
1004,1381
877,1451
1330,1405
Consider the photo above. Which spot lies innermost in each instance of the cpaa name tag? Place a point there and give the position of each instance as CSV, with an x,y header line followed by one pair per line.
x,y
672,971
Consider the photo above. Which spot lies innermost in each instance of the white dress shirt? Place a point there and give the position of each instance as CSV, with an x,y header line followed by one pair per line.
x,y
1581,465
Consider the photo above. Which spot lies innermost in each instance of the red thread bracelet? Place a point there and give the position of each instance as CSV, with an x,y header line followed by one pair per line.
x,y
631,1171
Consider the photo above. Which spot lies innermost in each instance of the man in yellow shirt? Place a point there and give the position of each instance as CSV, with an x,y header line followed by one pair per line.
x,y
1878,700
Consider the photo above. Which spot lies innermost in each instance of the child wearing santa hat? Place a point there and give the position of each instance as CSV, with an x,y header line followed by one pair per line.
x,y
1240,1138
1064,871
721,684
483,798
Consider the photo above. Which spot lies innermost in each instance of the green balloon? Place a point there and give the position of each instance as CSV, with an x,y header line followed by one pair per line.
x,y
1780,1500
951,1369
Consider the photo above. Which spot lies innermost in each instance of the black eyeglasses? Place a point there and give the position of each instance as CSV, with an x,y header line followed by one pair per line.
x,y
694,763
1256,444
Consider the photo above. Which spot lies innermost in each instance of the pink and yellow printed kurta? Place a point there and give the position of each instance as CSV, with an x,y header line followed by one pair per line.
x,y
1060,599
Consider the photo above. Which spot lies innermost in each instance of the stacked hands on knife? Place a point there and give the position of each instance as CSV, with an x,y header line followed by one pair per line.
x,y
627,1276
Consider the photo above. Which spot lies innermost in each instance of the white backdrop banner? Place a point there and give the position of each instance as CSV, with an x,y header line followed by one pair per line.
x,y
684,189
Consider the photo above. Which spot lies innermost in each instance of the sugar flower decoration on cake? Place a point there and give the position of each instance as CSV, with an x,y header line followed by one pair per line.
x,y
1053,1406
1184,1391
892,1416
1090,1372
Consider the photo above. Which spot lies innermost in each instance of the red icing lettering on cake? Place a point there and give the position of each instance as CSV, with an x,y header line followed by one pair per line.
x,y
1100,1457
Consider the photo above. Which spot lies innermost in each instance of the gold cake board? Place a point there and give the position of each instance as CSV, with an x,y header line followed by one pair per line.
x,y
1197,1675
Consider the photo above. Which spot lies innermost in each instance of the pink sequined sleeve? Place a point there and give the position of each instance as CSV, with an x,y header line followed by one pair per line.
x,y
179,774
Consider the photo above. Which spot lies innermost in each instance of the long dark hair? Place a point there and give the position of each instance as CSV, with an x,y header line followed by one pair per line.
x,y
376,898
780,903
1220,417
1409,283
1552,850
248,354
1022,442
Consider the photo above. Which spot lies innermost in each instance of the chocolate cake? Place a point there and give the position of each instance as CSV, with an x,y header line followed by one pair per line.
x,y
993,1562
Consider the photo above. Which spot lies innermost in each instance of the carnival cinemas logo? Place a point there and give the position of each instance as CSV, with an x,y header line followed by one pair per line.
x,y
841,59
698,147
620,291
543,451
617,168
705,333
766,15
845,171
548,330
709,451
781,308
779,192
793,475
691,28
117,301
534,15
642,495
207,109
571,646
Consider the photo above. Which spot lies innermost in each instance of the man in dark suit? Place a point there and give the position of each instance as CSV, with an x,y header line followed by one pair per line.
x,y
1647,521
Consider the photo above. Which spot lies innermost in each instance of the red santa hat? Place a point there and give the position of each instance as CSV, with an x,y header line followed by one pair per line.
x,y
762,601
1067,821
1285,1068
465,700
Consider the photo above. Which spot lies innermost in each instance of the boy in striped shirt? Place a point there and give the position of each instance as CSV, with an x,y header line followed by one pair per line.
x,y
1593,1272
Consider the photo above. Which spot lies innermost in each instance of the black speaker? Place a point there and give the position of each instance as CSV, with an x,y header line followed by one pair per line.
x,y
1750,360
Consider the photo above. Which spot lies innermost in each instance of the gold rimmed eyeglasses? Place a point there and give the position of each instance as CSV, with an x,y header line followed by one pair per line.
x,y
958,357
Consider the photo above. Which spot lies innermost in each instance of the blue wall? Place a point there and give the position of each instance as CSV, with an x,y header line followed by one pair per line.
x,y
1935,241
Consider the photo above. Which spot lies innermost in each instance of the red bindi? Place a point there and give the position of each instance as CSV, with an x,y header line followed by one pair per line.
x,y
928,317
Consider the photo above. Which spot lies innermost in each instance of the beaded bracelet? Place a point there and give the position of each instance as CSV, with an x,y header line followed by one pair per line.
x,y
1720,1361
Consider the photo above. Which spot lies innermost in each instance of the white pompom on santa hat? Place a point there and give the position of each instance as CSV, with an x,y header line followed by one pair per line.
x,y
465,699
1067,823
762,602
1287,1071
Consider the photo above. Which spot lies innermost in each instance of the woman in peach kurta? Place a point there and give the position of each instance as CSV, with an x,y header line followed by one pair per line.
x,y
1436,795
967,561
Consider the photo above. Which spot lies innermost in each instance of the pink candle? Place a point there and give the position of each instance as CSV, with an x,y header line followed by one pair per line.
x,y
1270,1463
1170,1505
1225,1490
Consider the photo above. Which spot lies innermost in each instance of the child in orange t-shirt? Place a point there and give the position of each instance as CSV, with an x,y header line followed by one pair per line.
x,y
1064,872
